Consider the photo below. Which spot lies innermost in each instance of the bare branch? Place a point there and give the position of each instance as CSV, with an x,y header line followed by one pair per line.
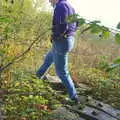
x,y
26,51
84,30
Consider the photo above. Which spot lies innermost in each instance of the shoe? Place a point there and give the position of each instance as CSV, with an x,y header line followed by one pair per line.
x,y
38,76
76,99
73,101
44,77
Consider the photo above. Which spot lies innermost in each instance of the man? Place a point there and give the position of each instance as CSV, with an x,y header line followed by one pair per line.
x,y
62,44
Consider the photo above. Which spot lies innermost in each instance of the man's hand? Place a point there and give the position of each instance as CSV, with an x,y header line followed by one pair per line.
x,y
51,38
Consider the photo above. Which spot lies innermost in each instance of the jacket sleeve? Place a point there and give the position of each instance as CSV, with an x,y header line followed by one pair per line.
x,y
60,25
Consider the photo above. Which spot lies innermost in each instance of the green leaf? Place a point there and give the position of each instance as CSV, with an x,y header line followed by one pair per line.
x,y
105,34
113,66
72,18
118,26
69,19
117,61
7,30
96,21
1,53
81,21
95,28
117,38
5,20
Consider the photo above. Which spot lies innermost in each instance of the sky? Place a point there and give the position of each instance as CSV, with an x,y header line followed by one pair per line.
x,y
107,11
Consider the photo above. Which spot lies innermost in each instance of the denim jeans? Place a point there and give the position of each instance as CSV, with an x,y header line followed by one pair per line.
x,y
59,56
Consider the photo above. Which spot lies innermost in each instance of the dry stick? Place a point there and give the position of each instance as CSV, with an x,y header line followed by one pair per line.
x,y
86,29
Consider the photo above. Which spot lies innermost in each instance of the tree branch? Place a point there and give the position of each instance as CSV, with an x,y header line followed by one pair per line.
x,y
26,51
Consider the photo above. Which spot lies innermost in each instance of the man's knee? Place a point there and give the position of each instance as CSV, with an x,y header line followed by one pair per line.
x,y
62,73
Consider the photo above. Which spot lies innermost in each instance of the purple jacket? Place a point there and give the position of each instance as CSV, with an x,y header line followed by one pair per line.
x,y
60,26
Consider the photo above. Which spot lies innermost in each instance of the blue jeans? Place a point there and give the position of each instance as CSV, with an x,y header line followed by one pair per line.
x,y
59,56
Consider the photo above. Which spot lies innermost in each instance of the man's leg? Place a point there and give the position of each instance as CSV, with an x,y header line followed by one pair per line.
x,y
61,67
47,62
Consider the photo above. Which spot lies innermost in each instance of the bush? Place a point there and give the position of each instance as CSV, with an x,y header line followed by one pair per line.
x,y
102,87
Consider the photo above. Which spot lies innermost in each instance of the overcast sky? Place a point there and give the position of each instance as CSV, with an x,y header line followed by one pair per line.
x,y
107,11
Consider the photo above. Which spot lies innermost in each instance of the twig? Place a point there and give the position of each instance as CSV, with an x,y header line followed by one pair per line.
x,y
26,51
